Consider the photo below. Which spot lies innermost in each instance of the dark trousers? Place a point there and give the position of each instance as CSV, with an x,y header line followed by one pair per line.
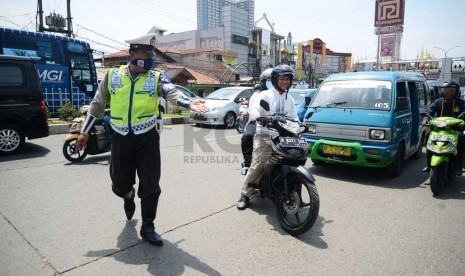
x,y
247,143
141,154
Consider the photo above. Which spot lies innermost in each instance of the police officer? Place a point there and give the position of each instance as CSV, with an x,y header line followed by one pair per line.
x,y
450,105
132,90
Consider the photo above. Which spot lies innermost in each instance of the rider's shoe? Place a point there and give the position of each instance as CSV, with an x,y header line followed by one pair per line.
x,y
426,169
244,170
242,202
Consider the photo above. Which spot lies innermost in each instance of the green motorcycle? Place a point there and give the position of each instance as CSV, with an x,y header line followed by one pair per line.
x,y
442,143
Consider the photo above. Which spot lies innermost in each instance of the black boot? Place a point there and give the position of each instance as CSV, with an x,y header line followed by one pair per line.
x,y
150,235
130,205
147,231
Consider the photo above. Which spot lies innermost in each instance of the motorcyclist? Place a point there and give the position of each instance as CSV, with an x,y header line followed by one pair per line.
x,y
279,102
249,130
450,105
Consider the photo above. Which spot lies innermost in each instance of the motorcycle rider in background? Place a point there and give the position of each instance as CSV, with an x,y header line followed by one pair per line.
x,y
280,102
249,130
450,105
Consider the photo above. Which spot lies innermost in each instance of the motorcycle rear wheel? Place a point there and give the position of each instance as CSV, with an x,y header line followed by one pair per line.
x,y
300,214
69,151
437,178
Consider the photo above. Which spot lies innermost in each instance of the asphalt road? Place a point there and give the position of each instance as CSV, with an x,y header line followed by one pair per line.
x,y
62,218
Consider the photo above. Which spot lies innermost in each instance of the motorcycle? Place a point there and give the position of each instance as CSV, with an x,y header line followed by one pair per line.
x,y
286,181
242,119
95,145
442,143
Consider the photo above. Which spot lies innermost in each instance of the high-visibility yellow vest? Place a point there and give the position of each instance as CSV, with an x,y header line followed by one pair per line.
x,y
134,104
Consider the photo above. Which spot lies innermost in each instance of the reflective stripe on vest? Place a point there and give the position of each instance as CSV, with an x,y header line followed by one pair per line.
x,y
134,104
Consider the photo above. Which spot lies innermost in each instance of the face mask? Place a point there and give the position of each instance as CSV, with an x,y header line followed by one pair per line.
x,y
269,85
144,63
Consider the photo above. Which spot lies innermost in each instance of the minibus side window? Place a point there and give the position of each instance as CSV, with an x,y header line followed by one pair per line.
x,y
401,96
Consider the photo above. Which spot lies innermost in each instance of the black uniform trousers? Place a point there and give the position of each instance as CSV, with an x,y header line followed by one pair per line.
x,y
247,143
141,154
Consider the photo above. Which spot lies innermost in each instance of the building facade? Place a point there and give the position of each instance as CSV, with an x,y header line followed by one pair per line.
x,y
315,61
210,12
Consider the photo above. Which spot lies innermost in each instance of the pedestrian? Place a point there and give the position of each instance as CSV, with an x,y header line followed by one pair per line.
x,y
132,90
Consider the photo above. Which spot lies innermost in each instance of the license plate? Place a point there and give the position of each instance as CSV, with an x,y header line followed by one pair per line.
x,y
336,150
200,117
444,138
292,142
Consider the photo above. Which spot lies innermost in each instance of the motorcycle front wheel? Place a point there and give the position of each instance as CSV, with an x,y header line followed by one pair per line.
x,y
299,214
437,178
70,153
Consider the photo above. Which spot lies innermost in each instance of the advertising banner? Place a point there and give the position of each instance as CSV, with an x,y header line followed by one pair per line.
x,y
389,13
388,45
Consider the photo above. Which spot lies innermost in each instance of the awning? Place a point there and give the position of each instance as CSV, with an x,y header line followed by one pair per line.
x,y
293,53
285,51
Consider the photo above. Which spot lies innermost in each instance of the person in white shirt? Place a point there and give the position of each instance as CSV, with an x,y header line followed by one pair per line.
x,y
279,102
249,130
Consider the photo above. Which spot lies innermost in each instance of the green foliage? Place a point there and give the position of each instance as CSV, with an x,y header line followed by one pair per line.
x,y
67,112
177,110
47,113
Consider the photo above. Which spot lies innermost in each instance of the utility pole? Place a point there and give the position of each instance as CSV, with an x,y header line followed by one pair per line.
x,y
55,21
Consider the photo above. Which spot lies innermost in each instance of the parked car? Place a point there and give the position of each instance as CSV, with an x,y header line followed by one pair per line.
x,y
224,105
302,98
167,106
22,108
370,119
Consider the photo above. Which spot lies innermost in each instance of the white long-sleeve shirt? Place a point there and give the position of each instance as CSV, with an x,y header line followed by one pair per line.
x,y
279,103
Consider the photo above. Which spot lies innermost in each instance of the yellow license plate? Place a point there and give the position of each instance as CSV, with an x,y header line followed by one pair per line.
x,y
336,150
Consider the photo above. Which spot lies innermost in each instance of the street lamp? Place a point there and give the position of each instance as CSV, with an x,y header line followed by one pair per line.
x,y
445,56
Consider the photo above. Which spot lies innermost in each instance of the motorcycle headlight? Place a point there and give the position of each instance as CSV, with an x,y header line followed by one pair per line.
x,y
441,123
377,134
76,127
311,128
291,126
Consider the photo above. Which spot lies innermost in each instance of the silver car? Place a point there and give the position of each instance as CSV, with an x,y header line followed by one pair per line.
x,y
224,106
167,106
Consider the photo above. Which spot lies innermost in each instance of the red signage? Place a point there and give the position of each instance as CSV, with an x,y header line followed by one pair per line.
x,y
389,12
388,45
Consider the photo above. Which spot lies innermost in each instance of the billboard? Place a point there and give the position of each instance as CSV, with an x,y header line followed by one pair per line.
x,y
388,45
389,12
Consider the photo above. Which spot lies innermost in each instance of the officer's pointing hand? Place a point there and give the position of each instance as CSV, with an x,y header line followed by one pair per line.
x,y
197,105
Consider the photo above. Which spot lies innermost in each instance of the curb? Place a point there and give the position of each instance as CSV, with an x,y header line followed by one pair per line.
x,y
64,128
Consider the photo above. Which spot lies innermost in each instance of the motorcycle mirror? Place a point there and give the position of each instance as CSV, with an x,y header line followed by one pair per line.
x,y
265,105
309,114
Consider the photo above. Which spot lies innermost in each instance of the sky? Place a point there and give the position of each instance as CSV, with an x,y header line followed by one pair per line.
x,y
345,25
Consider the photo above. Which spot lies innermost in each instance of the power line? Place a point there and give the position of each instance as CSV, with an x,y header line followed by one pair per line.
x,y
124,44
